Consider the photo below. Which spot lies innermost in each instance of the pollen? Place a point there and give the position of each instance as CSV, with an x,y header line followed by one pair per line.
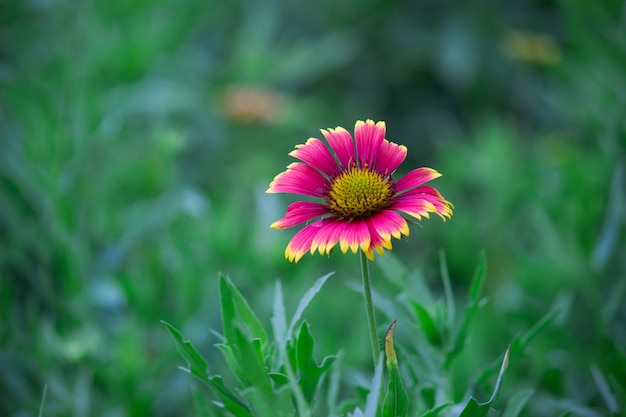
x,y
358,193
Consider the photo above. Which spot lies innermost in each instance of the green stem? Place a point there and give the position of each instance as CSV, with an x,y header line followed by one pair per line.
x,y
369,307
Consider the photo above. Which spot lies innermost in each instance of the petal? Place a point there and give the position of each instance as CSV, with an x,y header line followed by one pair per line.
x,y
341,143
415,208
368,137
389,223
354,235
301,242
377,242
416,178
316,154
328,236
390,156
299,178
431,201
299,212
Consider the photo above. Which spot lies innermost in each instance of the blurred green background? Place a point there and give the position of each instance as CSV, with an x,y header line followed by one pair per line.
x,y
137,139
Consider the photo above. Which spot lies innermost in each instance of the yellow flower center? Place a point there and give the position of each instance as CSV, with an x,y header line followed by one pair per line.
x,y
358,193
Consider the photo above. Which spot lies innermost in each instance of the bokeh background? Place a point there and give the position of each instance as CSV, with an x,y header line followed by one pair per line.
x,y
137,139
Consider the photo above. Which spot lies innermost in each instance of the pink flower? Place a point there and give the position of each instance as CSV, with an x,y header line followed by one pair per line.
x,y
360,205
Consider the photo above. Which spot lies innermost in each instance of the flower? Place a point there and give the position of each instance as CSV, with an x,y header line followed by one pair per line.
x,y
360,204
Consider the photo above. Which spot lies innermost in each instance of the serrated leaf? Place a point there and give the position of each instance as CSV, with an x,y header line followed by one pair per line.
x,y
305,363
196,363
200,369
201,405
250,359
311,374
304,302
517,403
232,362
396,402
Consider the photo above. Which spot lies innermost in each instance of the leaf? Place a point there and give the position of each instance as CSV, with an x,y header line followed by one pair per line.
x,y
197,365
427,323
470,311
517,402
434,412
232,362
604,389
199,368
304,302
478,279
279,321
245,313
235,309
396,402
476,409
371,404
227,310
306,366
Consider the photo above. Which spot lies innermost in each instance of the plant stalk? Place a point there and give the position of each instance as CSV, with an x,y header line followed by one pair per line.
x,y
369,307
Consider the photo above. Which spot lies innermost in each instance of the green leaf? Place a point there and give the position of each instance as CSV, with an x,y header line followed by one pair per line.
x,y
227,306
235,309
396,402
197,365
472,308
371,404
427,323
304,302
201,405
246,315
306,366
279,321
232,362
250,360
478,279
310,372
476,409
517,402
199,368
434,412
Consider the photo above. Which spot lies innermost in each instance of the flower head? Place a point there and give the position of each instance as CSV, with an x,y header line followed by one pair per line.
x,y
360,205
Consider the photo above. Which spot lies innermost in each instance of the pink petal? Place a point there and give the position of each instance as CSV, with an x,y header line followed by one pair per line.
x,y
301,242
316,154
429,195
377,242
341,143
299,212
328,236
426,189
416,178
354,235
368,137
299,178
414,207
389,223
390,156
